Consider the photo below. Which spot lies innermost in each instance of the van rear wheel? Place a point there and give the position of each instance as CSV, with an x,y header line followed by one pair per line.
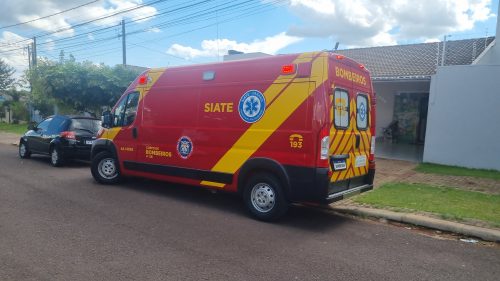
x,y
104,168
264,197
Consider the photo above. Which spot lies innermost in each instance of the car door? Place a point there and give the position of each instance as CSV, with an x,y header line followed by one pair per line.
x,y
35,137
124,118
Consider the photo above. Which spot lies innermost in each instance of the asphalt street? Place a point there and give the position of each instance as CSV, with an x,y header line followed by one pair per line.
x,y
58,224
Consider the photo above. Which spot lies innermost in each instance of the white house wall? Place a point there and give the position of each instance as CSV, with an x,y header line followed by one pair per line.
x,y
386,91
464,117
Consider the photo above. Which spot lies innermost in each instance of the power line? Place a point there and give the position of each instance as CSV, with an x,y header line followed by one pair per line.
x,y
236,17
133,21
94,20
44,17
237,11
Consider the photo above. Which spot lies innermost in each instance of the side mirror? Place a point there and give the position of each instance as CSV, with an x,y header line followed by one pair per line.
x,y
31,126
106,120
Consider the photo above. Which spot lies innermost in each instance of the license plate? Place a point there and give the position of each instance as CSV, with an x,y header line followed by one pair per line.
x,y
89,142
339,165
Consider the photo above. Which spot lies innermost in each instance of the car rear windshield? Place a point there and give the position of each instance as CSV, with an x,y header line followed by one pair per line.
x,y
89,125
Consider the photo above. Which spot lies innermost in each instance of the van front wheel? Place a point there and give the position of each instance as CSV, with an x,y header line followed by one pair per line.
x,y
264,197
105,168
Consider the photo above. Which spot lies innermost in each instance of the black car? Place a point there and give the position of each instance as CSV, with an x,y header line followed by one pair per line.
x,y
61,137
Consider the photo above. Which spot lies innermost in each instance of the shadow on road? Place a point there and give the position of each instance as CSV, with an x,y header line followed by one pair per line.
x,y
298,216
70,163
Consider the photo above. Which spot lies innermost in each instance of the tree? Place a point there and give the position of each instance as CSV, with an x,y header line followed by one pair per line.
x,y
6,79
81,86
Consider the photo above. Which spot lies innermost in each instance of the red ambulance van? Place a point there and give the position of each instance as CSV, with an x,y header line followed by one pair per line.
x,y
280,129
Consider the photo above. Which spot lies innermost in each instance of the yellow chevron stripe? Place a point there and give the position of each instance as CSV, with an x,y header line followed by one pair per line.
x,y
154,74
282,107
214,184
110,133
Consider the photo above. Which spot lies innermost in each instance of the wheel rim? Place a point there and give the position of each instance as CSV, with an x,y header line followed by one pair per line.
x,y
22,149
54,156
263,197
107,168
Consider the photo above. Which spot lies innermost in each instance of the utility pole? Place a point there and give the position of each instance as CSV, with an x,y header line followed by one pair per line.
x,y
29,57
33,53
30,103
124,48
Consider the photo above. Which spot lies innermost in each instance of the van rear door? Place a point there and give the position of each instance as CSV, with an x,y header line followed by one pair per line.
x,y
349,135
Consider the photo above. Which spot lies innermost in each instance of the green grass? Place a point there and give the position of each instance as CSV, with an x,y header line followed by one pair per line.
x,y
457,171
449,203
13,128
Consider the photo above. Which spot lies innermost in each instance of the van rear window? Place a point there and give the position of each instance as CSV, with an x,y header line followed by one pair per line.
x,y
341,108
362,112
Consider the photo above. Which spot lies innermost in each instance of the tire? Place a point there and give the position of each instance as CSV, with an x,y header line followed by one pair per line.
x,y
24,151
264,197
56,157
105,168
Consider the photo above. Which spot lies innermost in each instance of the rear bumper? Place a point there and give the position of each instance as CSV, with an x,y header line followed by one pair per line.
x,y
313,185
76,151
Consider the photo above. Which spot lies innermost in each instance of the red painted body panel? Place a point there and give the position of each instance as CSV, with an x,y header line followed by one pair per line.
x,y
177,102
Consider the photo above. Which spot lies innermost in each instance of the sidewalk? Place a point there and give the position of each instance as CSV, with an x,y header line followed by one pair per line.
x,y
402,171
486,234
9,138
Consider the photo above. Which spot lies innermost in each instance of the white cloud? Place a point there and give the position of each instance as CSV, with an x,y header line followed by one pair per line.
x,y
50,44
153,30
369,23
18,58
213,48
26,10
432,40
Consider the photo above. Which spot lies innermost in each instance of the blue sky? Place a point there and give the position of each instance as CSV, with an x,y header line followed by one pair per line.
x,y
271,26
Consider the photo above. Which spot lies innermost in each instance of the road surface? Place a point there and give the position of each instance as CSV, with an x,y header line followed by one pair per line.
x,y
58,224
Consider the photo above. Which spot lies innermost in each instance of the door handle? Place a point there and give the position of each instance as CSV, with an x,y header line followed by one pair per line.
x,y
358,139
134,133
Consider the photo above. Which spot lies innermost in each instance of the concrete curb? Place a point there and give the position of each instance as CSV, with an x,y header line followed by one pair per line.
x,y
469,230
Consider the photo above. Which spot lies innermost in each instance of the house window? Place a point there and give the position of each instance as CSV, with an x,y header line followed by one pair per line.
x,y
362,111
341,108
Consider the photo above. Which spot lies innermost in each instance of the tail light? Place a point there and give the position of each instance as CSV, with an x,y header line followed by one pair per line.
x,y
325,141
68,135
371,162
372,149
324,147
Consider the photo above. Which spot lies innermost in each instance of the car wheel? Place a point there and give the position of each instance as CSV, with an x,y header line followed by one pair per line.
x,y
264,197
56,157
24,151
105,168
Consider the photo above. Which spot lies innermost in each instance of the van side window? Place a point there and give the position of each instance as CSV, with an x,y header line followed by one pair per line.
x,y
341,108
125,111
362,111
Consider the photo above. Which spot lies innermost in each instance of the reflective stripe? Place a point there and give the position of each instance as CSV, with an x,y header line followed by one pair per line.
x,y
283,106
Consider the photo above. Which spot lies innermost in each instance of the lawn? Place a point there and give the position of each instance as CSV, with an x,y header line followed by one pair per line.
x,y
449,203
457,171
13,128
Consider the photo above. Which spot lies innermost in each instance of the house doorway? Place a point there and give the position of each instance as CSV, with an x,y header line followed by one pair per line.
x,y
410,111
